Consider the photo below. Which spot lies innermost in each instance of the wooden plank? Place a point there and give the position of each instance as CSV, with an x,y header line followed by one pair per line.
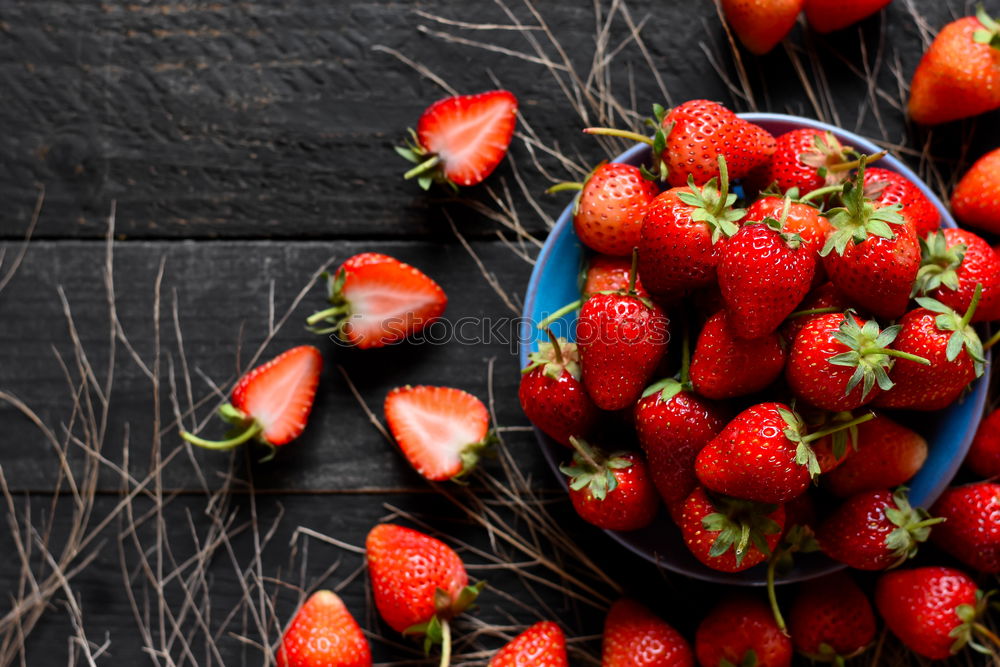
x,y
222,297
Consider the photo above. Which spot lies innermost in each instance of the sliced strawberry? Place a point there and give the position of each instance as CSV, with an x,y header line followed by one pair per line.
x,y
441,430
377,300
462,139
272,402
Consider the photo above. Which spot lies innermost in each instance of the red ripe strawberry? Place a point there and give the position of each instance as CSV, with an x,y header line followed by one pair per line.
x,y
875,530
460,140
377,300
608,214
612,492
551,393
873,255
808,159
837,362
541,645
934,611
830,618
724,366
886,454
887,188
801,219
741,631
441,431
728,534
976,199
673,424
761,25
636,637
609,274
324,634
272,402
621,338
763,454
763,275
681,240
959,75
419,583
951,345
984,454
823,300
829,15
971,530
954,261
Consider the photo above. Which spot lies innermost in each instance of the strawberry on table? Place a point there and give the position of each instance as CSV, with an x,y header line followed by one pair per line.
x,y
460,140
875,530
934,611
541,645
831,619
636,637
551,393
442,431
976,199
609,274
741,631
611,491
377,300
323,634
886,454
959,75
761,25
271,403
887,188
829,15
954,261
984,454
419,584
971,530
729,534
725,365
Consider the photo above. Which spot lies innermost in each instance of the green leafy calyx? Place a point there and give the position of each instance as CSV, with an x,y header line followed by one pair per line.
x,y
858,218
740,524
713,204
939,264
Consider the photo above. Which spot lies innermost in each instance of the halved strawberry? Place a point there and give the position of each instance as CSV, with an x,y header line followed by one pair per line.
x,y
272,402
377,300
442,431
460,140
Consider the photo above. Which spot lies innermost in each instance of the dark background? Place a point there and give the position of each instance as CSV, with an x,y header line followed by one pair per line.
x,y
245,144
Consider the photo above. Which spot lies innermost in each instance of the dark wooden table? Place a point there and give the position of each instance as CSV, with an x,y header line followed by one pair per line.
x,y
230,150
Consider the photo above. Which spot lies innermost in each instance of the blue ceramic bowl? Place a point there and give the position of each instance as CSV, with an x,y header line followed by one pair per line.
x,y
554,283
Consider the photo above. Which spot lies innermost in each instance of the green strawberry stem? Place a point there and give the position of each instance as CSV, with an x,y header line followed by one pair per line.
x,y
814,311
624,134
772,595
821,192
812,437
986,632
564,186
685,356
633,271
846,166
565,310
971,310
994,339
723,187
221,445
445,644
556,347
328,313
990,34
896,353
585,452
423,167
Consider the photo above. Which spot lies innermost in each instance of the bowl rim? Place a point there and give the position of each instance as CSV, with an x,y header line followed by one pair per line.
x,y
526,336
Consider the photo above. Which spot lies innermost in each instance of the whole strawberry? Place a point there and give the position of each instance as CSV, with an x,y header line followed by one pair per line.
x,y
614,491
609,274
984,454
680,244
837,362
886,453
796,218
823,300
621,338
934,611
445,149
873,255
976,199
971,530
377,300
831,619
829,15
673,424
271,403
764,273
953,262
418,582
608,215
323,634
635,637
875,530
959,75
761,25
728,534
951,345
551,393
808,159
887,188
725,365
541,645
741,631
